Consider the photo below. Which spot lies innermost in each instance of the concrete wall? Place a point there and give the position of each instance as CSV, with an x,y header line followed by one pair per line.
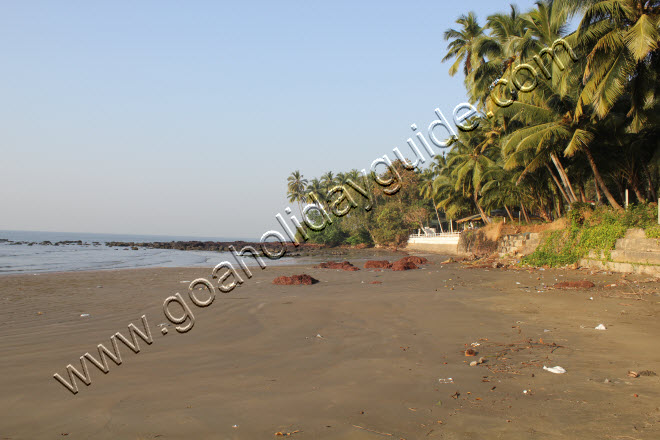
x,y
445,244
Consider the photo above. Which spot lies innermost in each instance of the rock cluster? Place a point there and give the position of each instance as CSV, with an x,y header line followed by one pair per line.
x,y
403,265
414,259
377,264
345,265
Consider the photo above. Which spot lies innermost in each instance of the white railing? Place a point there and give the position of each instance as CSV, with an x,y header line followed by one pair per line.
x,y
436,234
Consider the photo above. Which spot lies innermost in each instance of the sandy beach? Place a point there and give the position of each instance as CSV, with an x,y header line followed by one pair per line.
x,y
343,358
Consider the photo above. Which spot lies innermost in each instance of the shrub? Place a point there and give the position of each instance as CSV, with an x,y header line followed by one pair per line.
x,y
590,229
653,232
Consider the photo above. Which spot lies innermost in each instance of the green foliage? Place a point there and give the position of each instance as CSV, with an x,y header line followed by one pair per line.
x,y
391,227
361,236
331,235
589,230
653,232
587,130
641,216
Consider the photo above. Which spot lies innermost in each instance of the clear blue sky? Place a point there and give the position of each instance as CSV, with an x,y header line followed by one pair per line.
x,y
185,118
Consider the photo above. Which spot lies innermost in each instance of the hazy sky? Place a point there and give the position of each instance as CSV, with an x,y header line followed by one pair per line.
x,y
185,118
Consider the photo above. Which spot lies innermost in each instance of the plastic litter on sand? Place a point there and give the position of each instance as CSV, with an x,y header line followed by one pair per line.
x,y
556,370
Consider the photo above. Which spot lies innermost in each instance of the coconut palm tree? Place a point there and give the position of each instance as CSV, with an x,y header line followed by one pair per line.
x,y
500,48
471,157
296,185
548,125
463,44
328,180
622,41
427,191
316,188
453,203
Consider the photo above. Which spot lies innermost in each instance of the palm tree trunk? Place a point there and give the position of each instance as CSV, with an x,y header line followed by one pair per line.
x,y
437,214
652,192
638,193
598,196
583,198
564,178
561,188
559,206
509,213
599,179
524,211
481,211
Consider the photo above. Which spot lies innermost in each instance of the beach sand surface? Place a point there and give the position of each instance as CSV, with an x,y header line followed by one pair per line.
x,y
341,359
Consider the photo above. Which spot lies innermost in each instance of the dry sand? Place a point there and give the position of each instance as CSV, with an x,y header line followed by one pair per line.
x,y
253,365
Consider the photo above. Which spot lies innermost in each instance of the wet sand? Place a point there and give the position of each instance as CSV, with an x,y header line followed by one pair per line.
x,y
341,359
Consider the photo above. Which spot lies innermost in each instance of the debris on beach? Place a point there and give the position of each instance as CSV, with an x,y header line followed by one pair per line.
x,y
446,380
377,264
600,327
512,357
376,282
470,352
84,315
584,284
344,265
633,374
287,434
557,369
303,279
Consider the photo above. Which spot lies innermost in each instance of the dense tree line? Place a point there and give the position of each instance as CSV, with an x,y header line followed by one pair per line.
x,y
563,118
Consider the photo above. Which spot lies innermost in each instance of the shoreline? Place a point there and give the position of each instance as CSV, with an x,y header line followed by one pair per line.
x,y
51,259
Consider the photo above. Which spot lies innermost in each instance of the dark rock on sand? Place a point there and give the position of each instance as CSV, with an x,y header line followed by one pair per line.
x,y
414,259
377,264
404,265
303,279
345,265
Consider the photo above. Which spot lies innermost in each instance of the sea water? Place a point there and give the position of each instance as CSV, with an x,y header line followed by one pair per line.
x,y
37,258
